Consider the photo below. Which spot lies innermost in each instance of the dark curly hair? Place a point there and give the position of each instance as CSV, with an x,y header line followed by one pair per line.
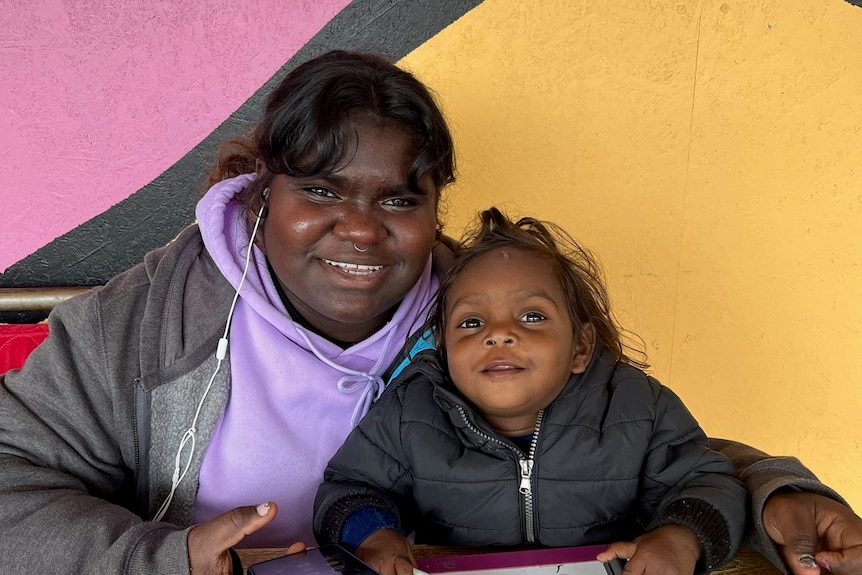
x,y
308,122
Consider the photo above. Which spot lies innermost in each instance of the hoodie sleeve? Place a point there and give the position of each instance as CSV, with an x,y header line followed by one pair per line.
x,y
764,475
686,483
367,473
67,456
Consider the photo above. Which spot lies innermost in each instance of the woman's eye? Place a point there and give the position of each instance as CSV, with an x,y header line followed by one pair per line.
x,y
532,317
319,192
470,323
399,203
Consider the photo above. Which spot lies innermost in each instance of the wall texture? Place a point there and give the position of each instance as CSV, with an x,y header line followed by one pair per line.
x,y
707,151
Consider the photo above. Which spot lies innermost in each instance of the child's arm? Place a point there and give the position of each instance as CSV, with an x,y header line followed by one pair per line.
x,y
674,547
365,485
685,483
388,552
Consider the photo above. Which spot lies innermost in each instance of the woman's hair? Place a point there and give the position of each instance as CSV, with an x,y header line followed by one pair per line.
x,y
574,267
308,124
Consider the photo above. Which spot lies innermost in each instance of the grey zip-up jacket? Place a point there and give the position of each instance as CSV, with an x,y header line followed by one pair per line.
x,y
614,455
89,428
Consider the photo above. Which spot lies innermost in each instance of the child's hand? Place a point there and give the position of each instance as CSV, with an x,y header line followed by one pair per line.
x,y
668,550
388,552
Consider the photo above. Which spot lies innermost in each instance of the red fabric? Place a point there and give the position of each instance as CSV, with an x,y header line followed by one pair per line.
x,y
17,341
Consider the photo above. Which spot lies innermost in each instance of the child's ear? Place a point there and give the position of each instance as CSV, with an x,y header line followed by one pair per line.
x,y
584,347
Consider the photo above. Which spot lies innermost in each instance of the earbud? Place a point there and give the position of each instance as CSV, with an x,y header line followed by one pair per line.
x,y
263,205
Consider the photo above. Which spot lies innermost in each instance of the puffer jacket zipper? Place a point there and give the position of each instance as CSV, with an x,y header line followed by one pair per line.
x,y
526,487
525,469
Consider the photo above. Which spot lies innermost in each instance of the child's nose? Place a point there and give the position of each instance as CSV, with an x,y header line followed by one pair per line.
x,y
500,334
504,340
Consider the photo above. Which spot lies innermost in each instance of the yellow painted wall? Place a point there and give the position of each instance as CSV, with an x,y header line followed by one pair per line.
x,y
710,153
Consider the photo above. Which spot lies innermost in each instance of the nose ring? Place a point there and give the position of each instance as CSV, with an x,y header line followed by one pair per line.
x,y
508,340
360,250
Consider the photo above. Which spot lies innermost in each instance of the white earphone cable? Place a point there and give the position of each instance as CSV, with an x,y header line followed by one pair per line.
x,y
221,353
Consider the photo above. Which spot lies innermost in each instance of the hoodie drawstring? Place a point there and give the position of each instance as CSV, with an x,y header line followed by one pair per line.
x,y
369,382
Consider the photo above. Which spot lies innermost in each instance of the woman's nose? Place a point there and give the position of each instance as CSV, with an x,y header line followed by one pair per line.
x,y
360,227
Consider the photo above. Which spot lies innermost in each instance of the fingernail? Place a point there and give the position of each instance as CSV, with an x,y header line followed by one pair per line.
x,y
807,561
263,509
825,564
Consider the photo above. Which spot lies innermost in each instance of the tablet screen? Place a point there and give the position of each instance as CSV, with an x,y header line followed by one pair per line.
x,y
324,560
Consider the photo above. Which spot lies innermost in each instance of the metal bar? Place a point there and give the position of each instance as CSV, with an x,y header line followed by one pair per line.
x,y
35,299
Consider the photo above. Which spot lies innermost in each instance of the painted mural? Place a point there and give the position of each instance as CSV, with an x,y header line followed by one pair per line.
x,y
116,111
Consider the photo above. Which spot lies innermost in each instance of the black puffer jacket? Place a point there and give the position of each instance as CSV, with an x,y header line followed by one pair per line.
x,y
614,455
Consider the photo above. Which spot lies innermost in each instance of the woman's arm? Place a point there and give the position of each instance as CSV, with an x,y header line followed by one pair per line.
x,y
793,513
67,460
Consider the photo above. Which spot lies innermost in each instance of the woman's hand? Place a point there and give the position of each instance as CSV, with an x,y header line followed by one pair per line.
x,y
668,550
803,523
388,552
209,542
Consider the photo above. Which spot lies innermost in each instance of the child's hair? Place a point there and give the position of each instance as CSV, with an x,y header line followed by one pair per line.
x,y
575,268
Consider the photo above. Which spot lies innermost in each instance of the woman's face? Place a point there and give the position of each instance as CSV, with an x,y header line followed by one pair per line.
x,y
312,226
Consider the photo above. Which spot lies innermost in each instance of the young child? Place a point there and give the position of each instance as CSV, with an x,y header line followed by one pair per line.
x,y
530,426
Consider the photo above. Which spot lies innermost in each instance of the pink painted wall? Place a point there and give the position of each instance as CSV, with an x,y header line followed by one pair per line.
x,y
98,97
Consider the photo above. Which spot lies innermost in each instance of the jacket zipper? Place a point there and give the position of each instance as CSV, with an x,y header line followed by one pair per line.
x,y
525,465
526,488
139,414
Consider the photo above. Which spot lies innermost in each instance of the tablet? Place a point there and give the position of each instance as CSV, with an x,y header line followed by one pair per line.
x,y
556,561
323,560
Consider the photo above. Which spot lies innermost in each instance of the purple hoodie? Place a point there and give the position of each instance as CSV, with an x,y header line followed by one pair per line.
x,y
294,395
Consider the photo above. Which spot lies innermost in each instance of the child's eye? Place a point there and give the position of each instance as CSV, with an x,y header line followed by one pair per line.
x,y
470,323
532,317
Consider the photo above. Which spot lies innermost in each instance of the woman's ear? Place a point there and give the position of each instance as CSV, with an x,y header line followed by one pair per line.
x,y
584,346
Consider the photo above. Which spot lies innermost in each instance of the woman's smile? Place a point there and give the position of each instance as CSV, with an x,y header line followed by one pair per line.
x,y
354,269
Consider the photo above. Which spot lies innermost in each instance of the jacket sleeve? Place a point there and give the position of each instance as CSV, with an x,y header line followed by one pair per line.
x,y
763,475
67,459
368,471
686,483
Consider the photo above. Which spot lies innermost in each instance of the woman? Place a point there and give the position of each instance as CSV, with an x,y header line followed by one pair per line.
x,y
163,400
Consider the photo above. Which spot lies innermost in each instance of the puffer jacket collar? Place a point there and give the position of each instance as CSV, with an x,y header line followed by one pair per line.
x,y
463,415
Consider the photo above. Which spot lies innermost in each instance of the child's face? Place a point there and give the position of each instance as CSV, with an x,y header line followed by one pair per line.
x,y
509,338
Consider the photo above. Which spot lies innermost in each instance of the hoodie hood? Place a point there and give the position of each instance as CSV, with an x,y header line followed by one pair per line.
x,y
226,233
